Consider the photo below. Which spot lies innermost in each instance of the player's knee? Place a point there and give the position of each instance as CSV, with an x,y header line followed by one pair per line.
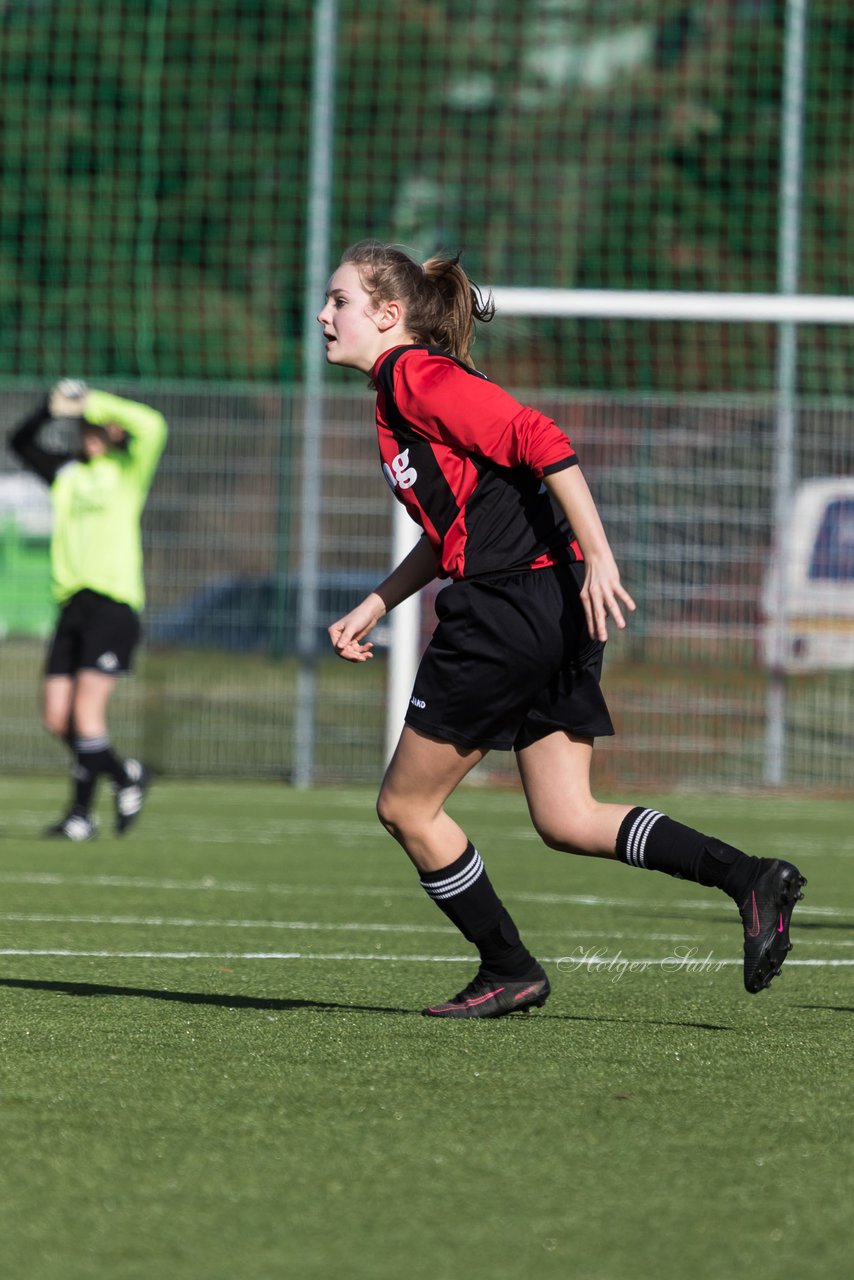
x,y
398,815
556,838
389,812
57,724
566,832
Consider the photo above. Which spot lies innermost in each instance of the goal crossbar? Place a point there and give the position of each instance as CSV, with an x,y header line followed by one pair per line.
x,y
642,304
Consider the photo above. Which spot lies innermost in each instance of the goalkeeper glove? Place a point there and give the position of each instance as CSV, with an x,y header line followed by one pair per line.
x,y
68,398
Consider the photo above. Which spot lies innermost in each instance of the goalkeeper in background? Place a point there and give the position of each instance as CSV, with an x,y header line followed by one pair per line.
x,y
98,495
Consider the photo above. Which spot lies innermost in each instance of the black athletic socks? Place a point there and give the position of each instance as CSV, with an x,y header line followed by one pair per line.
x,y
463,891
84,778
92,757
651,840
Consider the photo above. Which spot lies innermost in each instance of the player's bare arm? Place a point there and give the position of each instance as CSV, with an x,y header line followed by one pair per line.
x,y
411,575
602,594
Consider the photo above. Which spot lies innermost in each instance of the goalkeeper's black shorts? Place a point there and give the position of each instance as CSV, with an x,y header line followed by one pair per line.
x,y
94,633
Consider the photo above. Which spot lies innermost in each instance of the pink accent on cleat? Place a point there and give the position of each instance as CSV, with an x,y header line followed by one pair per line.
x,y
481,999
753,931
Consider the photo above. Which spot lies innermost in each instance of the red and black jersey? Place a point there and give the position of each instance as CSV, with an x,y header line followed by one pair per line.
x,y
467,461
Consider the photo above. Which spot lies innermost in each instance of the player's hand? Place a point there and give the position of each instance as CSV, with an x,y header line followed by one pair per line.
x,y
68,399
348,633
603,595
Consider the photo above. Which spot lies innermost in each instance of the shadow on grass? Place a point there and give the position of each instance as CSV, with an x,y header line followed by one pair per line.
x,y
93,989
833,1008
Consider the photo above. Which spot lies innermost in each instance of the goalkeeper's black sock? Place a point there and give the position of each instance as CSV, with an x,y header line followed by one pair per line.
x,y
464,892
650,839
84,781
92,757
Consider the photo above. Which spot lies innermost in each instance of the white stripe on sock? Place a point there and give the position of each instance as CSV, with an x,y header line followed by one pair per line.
x,y
636,843
455,884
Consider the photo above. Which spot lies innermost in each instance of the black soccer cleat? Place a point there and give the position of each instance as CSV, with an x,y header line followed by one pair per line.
x,y
131,797
487,997
766,914
74,826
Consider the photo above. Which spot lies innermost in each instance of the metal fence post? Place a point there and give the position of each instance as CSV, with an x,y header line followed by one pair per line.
x,y
788,273
316,272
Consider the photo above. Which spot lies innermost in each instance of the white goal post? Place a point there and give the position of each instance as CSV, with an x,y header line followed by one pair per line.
x,y
639,304
786,311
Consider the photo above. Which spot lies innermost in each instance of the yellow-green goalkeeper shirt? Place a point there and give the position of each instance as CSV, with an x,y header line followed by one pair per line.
x,y
98,504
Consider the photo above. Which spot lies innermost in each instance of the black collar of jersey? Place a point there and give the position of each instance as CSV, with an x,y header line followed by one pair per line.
x,y
383,376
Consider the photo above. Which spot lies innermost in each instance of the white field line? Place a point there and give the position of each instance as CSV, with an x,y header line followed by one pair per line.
x,y
317,926
687,964
346,926
211,885
185,922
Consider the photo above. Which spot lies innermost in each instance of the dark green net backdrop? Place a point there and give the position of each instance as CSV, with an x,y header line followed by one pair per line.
x,y
154,162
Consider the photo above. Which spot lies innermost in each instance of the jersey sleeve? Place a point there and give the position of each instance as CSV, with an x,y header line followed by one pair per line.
x,y
457,408
24,444
145,427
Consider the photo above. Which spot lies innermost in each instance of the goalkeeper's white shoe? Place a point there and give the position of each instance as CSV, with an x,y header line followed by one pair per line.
x,y
131,797
74,826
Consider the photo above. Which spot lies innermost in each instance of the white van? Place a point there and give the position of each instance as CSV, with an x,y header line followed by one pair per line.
x,y
808,622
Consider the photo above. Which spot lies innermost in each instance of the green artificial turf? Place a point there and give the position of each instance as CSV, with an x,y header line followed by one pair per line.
x,y
214,1068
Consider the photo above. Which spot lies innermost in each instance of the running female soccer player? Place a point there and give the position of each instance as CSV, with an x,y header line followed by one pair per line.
x,y
98,495
515,660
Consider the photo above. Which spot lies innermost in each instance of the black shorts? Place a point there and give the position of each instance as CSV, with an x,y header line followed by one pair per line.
x,y
510,662
93,633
